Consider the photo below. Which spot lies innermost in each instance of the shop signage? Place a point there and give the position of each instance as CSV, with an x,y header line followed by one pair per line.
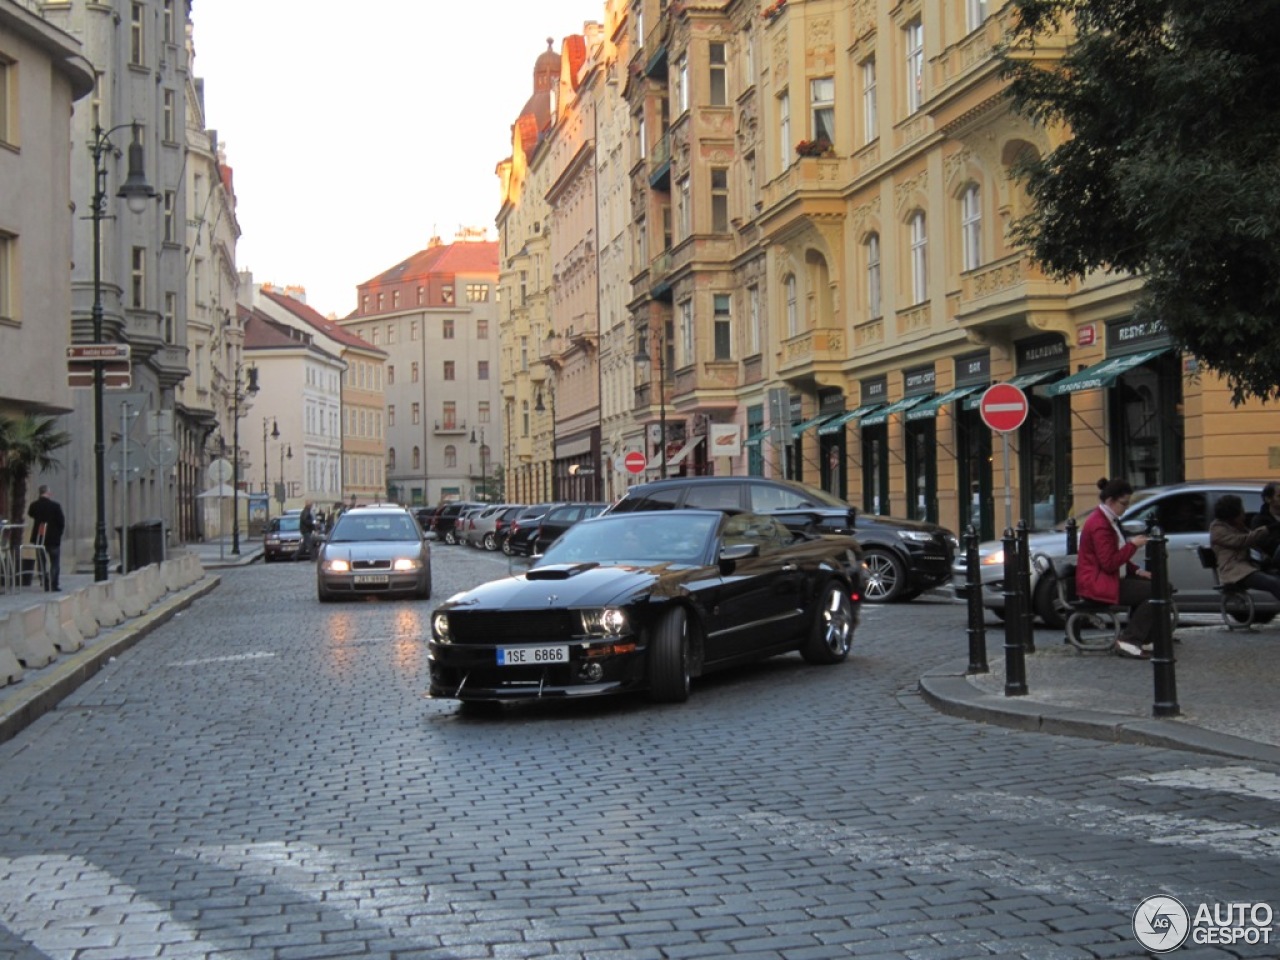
x,y
874,391
918,381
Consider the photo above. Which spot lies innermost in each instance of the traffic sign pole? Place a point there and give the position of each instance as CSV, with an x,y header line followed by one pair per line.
x,y
1004,409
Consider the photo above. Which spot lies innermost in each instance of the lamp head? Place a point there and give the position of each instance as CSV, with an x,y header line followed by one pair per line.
x,y
275,430
539,406
135,189
253,380
473,434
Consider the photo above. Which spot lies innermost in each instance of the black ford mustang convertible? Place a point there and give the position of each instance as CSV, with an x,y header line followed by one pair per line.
x,y
643,601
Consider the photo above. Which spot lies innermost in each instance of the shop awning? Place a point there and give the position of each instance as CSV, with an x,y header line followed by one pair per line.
x,y
800,428
756,437
930,407
882,416
684,452
1104,374
1022,382
836,425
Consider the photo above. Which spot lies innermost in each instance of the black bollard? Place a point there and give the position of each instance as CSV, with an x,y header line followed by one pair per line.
x,y
977,616
1026,614
1166,685
1015,663
1073,537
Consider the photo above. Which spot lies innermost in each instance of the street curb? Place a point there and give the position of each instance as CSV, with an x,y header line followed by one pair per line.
x,y
949,691
46,692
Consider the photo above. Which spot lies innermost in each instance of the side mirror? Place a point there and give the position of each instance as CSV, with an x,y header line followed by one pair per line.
x,y
730,555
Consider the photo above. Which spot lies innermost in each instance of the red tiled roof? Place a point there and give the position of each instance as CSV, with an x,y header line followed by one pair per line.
x,y
326,326
464,257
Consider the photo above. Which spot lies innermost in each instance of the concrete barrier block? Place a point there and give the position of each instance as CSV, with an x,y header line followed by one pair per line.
x,y
86,621
171,573
10,669
129,595
195,569
152,584
102,600
60,624
28,639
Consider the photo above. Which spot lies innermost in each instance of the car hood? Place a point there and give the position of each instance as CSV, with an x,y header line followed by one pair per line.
x,y
1051,542
568,585
372,550
869,521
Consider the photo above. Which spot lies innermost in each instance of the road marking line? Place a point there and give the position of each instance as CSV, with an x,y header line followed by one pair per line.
x,y
261,655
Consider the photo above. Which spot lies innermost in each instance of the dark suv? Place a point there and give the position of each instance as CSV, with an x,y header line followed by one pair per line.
x,y
903,558
444,523
560,518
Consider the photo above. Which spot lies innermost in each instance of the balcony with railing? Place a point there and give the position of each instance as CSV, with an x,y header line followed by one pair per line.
x,y
808,350
450,426
660,163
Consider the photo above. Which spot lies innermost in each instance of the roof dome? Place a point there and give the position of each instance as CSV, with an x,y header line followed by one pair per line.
x,y
546,70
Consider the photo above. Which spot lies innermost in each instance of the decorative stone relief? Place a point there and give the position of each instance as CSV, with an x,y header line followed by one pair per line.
x,y
904,192
864,17
954,166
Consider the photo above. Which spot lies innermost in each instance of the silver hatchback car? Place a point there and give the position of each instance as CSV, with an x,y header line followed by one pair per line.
x,y
1183,511
378,550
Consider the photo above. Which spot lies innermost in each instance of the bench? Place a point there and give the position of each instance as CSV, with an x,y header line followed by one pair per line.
x,y
1239,609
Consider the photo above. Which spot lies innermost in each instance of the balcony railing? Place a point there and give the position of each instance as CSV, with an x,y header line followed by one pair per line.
x,y
808,175
812,346
451,426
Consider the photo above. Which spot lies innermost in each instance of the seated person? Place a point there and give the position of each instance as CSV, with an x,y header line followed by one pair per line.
x,y
1231,540
1268,518
1106,574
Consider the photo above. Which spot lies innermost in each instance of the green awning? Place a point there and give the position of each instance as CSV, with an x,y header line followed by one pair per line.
x,y
756,437
836,425
882,416
1104,374
1022,382
800,428
930,409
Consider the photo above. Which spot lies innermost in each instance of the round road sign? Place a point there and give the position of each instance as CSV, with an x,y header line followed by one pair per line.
x,y
1003,407
635,462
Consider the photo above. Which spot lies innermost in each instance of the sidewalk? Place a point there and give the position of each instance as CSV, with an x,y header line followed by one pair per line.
x,y
1226,692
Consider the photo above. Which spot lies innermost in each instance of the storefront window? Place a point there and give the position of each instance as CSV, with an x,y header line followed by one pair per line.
x,y
875,469
1147,424
922,470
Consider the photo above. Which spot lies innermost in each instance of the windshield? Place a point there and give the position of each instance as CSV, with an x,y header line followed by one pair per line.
x,y
286,524
354,528
634,538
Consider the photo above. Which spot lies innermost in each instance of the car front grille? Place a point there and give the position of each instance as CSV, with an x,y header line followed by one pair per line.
x,y
500,627
370,565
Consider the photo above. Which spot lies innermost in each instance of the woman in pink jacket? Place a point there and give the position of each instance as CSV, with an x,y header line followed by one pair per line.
x,y
1105,572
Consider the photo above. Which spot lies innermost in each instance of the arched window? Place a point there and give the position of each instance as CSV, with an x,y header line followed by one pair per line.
x,y
873,276
391,458
793,314
971,226
451,456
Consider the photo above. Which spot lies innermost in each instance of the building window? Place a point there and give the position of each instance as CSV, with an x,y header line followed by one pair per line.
x,y
395,299
169,35
170,317
380,298
168,117
8,247
482,369
873,276
971,226
391,458
138,278
447,328
391,414
170,212
8,112
686,333
681,93
450,415
416,411
451,456
413,371
784,127
477,293
914,37
137,33
755,335
373,336
421,296
719,200
482,328
446,294
975,13
685,211
719,76
413,330
448,369
723,329
793,313
417,458
391,332
869,118
919,259
642,146
391,374
822,100
482,411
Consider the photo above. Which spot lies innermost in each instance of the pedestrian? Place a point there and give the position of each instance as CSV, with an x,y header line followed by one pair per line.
x,y
1106,574
1231,539
46,515
1268,517
307,525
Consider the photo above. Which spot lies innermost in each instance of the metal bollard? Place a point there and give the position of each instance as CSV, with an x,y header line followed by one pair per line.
x,y
1166,685
973,586
1026,614
1015,663
1073,537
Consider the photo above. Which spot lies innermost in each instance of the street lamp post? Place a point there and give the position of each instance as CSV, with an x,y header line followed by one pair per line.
x,y
251,387
642,356
137,192
539,407
484,474
266,469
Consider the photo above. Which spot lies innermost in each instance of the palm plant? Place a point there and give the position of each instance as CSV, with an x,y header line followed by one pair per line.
x,y
26,444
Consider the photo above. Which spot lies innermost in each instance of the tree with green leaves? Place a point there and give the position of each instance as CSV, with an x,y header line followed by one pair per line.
x,y
27,444
1172,169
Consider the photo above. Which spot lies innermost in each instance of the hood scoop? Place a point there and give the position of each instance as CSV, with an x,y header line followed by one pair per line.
x,y
559,571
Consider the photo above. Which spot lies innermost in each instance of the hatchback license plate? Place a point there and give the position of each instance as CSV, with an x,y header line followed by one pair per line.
x,y
532,656
363,579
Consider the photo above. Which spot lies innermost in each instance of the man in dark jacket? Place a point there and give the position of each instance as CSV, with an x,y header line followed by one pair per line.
x,y
307,527
47,519
1269,517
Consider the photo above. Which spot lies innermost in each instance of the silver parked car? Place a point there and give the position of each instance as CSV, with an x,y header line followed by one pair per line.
x,y
1183,512
378,550
480,527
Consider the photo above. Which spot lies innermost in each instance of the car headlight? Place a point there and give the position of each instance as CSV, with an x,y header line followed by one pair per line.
x,y
607,621
403,564
916,536
273,540
993,559
440,627
337,566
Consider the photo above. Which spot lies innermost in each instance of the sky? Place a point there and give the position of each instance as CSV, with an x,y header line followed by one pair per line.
x,y
354,138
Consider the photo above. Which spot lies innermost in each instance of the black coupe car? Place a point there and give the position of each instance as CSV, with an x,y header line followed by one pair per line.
x,y
648,602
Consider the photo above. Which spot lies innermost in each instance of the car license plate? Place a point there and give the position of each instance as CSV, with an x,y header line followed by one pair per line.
x,y
363,579
532,656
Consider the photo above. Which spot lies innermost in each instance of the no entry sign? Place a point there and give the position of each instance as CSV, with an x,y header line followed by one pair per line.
x,y
1003,407
635,462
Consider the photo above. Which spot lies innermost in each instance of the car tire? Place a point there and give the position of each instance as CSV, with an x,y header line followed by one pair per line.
x,y
1047,605
886,579
506,547
669,657
425,592
832,631
490,542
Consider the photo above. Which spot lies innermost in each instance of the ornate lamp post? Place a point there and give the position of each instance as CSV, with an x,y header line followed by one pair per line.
x,y
266,476
251,387
642,356
137,192
539,407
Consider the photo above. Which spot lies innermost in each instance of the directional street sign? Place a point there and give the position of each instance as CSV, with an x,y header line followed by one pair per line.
x,y
635,461
1003,407
117,371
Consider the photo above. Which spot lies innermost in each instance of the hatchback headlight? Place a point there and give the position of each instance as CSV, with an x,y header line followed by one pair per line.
x,y
337,566
607,621
916,536
993,559
440,627
403,564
